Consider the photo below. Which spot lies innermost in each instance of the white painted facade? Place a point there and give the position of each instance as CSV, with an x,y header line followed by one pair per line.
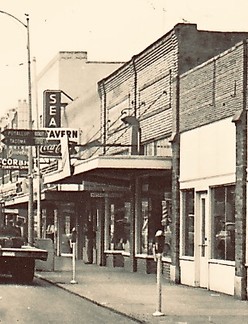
x,y
207,159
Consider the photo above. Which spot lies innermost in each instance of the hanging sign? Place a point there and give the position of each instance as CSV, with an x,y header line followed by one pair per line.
x,y
52,148
52,108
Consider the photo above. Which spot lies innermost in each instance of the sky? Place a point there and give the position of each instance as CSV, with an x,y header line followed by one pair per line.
x,y
108,30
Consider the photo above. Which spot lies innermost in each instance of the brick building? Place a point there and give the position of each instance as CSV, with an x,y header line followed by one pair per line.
x,y
134,177
132,182
213,173
151,169
148,87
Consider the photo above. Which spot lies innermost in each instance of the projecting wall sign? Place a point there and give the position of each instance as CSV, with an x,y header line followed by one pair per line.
x,y
52,108
54,135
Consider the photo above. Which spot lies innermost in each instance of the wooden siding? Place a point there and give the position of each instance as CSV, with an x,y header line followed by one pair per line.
x,y
156,126
151,83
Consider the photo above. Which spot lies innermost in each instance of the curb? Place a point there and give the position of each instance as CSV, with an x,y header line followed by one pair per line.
x,y
90,300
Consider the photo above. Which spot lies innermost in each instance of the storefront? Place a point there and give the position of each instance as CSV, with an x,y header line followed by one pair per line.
x,y
123,209
208,207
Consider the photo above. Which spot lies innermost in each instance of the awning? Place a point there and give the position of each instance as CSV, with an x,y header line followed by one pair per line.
x,y
107,171
119,167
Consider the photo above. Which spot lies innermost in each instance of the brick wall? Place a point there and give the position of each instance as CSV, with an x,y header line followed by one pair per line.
x,y
144,85
212,91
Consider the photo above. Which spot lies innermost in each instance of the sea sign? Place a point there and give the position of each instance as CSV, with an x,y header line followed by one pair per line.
x,y
52,108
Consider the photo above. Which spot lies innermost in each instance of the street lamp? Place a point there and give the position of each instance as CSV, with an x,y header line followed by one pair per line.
x,y
30,121
135,133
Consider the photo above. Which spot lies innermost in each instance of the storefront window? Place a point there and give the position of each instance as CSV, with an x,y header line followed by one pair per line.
x,y
223,222
188,222
126,223
151,222
120,226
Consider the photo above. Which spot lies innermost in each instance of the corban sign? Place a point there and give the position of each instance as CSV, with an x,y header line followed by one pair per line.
x,y
13,164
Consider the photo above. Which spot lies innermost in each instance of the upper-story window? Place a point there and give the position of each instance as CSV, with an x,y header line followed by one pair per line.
x,y
158,148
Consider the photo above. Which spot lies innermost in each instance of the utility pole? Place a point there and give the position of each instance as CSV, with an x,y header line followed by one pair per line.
x,y
37,156
30,124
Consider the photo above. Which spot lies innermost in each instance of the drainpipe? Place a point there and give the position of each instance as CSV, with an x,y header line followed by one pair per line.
x,y
135,86
103,96
240,120
175,144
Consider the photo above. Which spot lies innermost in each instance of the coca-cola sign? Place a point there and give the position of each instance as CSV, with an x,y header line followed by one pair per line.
x,y
54,136
53,149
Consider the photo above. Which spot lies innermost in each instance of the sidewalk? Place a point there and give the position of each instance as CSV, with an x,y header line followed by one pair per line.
x,y
134,295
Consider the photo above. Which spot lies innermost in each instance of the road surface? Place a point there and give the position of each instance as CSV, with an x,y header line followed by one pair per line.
x,y
43,303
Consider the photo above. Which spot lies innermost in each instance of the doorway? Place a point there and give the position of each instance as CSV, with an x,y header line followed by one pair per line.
x,y
202,240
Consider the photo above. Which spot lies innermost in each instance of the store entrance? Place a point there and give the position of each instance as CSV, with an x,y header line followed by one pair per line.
x,y
90,232
202,240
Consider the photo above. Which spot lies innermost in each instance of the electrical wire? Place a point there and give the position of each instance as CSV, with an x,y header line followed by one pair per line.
x,y
127,128
120,126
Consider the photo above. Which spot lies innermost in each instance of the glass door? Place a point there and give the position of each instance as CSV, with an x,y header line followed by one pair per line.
x,y
203,240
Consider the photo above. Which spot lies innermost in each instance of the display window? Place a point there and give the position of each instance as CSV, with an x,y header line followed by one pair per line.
x,y
119,228
188,211
151,216
223,223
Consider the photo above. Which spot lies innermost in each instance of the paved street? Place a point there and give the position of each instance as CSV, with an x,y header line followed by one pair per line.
x,y
134,294
42,302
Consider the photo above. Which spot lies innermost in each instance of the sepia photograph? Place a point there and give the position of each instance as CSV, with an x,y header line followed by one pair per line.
x,y
123,161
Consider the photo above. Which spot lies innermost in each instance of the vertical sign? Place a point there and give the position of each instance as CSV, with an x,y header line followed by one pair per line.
x,y
52,108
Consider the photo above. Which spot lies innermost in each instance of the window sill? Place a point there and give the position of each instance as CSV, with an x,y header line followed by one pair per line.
x,y
113,251
166,259
144,256
67,255
221,262
187,258
125,253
